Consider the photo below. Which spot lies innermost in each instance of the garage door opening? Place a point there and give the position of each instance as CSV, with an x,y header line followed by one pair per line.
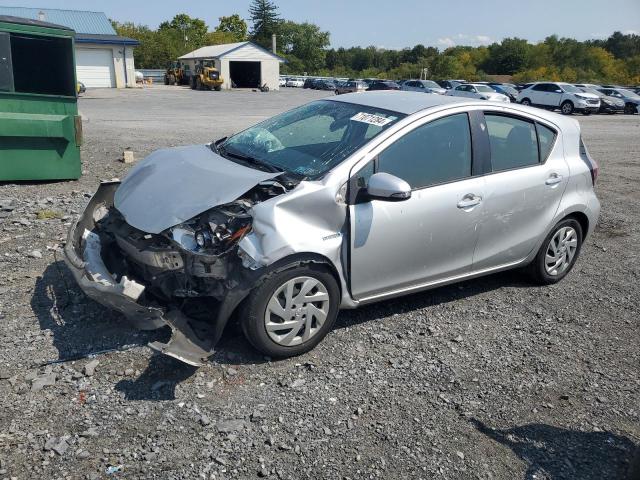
x,y
244,74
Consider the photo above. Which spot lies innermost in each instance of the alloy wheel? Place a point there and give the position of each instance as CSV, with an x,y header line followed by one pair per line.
x,y
561,251
296,311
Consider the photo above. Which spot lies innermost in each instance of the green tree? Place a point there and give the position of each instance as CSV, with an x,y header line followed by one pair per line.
x,y
265,21
189,33
304,41
507,57
234,25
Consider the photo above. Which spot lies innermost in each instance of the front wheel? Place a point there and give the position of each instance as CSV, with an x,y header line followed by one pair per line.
x,y
629,109
526,102
291,311
566,108
558,253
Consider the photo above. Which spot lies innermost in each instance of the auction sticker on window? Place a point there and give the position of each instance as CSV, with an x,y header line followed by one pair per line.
x,y
371,119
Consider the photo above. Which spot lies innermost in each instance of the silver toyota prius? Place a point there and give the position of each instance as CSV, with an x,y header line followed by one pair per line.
x,y
335,204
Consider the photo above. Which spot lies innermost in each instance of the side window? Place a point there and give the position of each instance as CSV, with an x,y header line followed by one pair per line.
x,y
546,138
541,87
513,142
437,152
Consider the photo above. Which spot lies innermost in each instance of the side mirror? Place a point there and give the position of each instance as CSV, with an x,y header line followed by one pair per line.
x,y
384,186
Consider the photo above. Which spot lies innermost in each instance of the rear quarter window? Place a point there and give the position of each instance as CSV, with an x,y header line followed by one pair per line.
x,y
546,139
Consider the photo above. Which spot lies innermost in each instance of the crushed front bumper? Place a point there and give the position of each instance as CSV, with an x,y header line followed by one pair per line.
x,y
190,343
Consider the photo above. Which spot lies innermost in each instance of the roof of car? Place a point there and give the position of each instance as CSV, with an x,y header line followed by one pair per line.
x,y
396,100
413,102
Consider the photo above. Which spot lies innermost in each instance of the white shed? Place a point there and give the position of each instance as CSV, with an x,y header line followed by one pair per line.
x,y
241,64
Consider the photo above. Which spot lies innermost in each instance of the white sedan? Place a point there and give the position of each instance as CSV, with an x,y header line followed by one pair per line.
x,y
295,82
477,90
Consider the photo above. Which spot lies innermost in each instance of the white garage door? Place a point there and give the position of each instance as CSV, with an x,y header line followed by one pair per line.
x,y
94,67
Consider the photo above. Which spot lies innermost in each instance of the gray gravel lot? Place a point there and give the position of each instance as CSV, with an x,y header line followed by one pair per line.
x,y
489,379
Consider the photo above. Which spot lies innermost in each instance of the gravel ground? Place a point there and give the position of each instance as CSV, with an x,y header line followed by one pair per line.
x,y
489,379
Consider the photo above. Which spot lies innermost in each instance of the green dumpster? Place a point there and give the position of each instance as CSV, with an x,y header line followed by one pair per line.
x,y
40,130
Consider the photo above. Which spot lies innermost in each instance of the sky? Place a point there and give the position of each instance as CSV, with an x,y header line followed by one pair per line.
x,y
396,24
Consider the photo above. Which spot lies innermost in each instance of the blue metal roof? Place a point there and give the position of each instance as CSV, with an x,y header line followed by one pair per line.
x,y
81,21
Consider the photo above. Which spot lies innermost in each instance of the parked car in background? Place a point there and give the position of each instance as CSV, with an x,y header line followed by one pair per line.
x,y
587,85
477,90
308,82
383,85
295,82
351,86
559,95
325,84
631,99
608,103
282,82
268,216
507,90
425,86
522,86
449,84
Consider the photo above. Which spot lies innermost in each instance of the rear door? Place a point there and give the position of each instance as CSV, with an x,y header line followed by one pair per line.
x,y
523,191
539,94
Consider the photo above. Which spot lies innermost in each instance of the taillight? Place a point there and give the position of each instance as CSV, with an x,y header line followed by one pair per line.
x,y
591,163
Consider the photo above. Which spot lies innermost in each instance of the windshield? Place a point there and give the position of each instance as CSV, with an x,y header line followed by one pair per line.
x,y
431,84
309,140
569,88
591,90
627,93
483,88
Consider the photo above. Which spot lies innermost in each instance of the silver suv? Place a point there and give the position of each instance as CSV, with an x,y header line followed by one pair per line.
x,y
338,203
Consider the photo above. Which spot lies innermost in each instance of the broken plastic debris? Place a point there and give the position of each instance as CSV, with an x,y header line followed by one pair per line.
x,y
131,288
111,469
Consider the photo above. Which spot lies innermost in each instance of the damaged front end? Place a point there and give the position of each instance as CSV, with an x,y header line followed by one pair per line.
x,y
188,276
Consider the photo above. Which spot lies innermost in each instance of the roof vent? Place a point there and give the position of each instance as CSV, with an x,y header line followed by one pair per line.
x,y
41,16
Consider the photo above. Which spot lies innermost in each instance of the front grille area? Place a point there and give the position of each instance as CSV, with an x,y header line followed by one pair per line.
x,y
592,101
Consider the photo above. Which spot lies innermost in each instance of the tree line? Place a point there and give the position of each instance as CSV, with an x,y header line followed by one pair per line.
x,y
306,48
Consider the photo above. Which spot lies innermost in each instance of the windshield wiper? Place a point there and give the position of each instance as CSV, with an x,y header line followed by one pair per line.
x,y
246,158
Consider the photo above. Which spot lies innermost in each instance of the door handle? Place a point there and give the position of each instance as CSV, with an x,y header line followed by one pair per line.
x,y
553,179
469,200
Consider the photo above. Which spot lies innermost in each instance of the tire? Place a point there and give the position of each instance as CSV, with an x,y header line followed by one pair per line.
x,y
171,79
586,112
218,88
198,84
629,109
259,322
542,272
566,108
526,102
166,80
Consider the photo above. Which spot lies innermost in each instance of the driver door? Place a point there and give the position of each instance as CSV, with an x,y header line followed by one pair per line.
x,y
399,245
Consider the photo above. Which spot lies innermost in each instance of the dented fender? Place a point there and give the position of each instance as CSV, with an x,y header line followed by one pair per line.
x,y
307,220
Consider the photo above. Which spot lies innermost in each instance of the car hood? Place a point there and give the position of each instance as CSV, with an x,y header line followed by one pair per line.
x,y
589,95
173,185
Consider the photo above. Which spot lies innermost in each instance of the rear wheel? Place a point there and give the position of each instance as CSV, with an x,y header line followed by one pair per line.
x,y
566,108
218,88
291,311
629,109
525,101
171,79
558,253
198,84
